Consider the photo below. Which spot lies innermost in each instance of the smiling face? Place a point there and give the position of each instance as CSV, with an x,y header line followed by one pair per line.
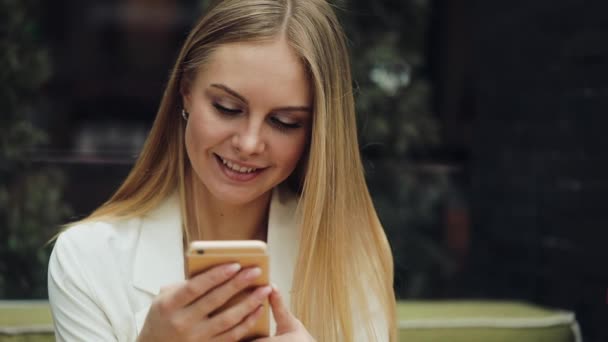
x,y
250,117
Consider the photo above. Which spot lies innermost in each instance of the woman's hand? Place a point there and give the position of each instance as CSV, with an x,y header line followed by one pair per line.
x,y
181,312
289,328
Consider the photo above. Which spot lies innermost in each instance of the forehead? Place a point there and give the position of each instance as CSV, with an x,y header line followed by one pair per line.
x,y
265,72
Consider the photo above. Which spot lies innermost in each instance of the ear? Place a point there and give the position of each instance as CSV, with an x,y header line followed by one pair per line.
x,y
185,93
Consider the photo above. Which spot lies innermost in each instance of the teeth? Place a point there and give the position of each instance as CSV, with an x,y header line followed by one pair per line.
x,y
234,167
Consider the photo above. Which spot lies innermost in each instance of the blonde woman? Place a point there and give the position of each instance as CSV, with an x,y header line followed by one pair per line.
x,y
255,138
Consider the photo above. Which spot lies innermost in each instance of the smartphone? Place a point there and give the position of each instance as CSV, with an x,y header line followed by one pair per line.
x,y
203,255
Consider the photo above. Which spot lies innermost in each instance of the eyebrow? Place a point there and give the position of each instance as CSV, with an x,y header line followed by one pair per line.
x,y
242,98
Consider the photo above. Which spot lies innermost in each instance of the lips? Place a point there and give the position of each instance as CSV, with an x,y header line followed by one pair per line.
x,y
236,171
236,167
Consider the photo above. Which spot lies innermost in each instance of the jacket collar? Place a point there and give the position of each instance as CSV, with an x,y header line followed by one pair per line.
x,y
283,240
159,255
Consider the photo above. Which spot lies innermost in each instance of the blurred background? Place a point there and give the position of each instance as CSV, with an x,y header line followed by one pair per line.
x,y
482,126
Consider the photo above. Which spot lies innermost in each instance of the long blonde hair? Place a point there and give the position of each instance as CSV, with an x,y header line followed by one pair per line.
x,y
344,265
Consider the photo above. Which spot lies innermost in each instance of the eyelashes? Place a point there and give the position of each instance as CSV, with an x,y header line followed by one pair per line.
x,y
226,110
283,125
276,122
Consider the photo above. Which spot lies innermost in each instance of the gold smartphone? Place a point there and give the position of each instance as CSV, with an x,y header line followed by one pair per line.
x,y
203,255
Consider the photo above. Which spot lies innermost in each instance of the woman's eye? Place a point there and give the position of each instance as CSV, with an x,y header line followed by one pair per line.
x,y
284,125
226,110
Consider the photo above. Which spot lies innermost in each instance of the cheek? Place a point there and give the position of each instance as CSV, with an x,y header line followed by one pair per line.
x,y
198,137
292,151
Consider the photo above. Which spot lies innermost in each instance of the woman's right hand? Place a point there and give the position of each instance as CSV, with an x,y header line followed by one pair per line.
x,y
181,312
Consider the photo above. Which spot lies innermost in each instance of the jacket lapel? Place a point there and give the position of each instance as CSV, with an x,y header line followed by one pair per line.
x,y
283,239
159,258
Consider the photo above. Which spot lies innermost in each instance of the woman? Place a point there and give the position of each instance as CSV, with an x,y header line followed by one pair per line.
x,y
255,138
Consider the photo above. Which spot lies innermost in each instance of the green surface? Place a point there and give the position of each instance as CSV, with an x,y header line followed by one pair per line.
x,y
20,315
446,311
28,338
469,309
552,334
39,314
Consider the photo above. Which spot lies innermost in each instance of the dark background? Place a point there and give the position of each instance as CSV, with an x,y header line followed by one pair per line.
x,y
481,124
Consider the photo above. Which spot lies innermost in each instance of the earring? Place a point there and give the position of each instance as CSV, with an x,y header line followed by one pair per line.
x,y
185,114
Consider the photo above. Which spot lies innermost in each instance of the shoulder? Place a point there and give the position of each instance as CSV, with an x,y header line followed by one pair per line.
x,y
99,236
94,249
87,271
107,269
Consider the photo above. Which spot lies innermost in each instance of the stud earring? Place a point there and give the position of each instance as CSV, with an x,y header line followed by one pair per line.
x,y
185,114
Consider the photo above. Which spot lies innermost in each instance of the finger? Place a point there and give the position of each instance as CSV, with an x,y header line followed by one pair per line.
x,y
241,330
231,317
221,294
286,322
170,288
202,283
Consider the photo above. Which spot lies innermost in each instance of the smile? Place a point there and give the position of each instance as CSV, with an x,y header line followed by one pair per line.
x,y
236,167
237,172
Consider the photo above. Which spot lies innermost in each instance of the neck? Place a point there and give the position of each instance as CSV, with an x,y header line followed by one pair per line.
x,y
211,219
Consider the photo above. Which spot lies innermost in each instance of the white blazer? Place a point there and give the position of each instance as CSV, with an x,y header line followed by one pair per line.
x,y
104,275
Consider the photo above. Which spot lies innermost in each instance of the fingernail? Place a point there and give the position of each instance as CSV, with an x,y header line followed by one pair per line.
x,y
253,273
233,268
265,291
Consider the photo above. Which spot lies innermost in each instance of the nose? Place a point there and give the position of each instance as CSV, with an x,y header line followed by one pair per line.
x,y
249,140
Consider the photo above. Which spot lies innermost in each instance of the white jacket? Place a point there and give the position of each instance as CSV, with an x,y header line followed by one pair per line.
x,y
103,276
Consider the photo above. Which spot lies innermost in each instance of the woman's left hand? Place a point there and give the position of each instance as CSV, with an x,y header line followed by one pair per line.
x,y
289,328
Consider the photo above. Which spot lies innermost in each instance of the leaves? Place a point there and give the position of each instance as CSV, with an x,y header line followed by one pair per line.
x,y
393,102
31,204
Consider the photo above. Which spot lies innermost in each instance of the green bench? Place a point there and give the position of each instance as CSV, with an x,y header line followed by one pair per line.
x,y
419,321
489,321
25,321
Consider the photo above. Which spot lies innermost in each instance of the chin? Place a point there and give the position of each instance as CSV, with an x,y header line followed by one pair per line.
x,y
238,197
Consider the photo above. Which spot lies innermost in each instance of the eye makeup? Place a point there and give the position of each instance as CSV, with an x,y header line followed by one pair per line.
x,y
283,125
226,109
280,119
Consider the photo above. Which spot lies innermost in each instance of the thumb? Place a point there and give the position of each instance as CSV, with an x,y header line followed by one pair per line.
x,y
286,322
